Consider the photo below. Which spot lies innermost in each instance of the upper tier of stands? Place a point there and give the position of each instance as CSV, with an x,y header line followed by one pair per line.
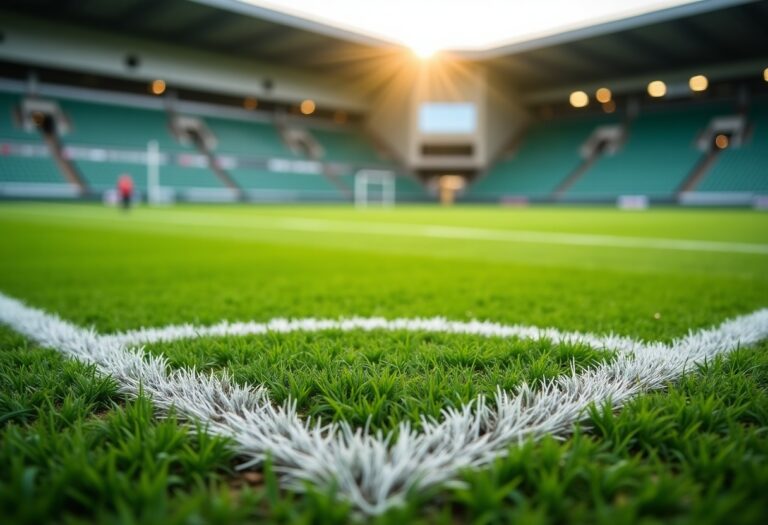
x,y
658,155
548,153
743,169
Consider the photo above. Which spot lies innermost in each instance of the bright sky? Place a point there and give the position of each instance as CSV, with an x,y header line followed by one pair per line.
x,y
431,25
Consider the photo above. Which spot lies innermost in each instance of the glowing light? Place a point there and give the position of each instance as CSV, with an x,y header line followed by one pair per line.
x,y
765,74
603,95
424,53
721,141
657,89
698,83
609,107
157,87
250,103
579,99
307,107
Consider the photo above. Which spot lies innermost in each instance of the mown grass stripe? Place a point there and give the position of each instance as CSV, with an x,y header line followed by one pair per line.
x,y
433,231
376,471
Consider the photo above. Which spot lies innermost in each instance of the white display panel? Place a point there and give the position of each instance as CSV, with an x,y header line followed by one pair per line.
x,y
447,118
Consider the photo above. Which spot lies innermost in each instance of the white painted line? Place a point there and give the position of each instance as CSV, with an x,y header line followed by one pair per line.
x,y
372,471
268,223
170,333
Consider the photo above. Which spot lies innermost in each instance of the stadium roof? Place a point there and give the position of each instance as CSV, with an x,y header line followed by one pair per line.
x,y
697,33
435,25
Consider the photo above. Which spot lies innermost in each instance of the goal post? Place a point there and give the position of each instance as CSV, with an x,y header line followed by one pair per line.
x,y
153,172
374,187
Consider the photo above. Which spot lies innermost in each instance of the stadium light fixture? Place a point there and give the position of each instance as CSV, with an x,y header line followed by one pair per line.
x,y
721,141
603,95
579,99
698,83
157,87
307,107
250,103
657,89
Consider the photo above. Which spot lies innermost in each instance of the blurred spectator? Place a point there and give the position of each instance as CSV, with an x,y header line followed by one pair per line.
x,y
125,190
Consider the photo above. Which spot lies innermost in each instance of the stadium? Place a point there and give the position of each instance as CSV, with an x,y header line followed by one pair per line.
x,y
291,261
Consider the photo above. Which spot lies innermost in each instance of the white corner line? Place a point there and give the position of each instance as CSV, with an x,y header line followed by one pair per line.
x,y
373,471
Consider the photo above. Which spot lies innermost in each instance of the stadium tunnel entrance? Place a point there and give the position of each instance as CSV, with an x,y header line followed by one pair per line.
x,y
447,184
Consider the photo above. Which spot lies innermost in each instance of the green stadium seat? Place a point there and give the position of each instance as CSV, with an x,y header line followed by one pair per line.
x,y
108,125
101,176
29,169
9,128
409,189
659,154
346,146
548,154
248,138
292,186
743,169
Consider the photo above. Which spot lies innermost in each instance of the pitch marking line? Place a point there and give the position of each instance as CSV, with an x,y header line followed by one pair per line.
x,y
374,471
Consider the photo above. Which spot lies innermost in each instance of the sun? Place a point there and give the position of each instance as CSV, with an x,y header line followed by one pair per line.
x,y
423,51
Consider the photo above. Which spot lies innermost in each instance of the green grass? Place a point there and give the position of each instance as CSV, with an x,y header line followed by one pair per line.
x,y
73,450
380,378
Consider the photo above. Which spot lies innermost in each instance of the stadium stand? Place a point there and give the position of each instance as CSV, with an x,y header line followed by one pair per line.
x,y
120,128
408,189
659,154
272,185
346,146
547,155
29,170
96,124
23,169
102,176
248,138
9,129
743,169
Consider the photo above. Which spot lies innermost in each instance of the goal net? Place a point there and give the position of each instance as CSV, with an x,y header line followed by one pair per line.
x,y
374,187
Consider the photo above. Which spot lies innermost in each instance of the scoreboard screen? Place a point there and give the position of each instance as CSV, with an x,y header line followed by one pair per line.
x,y
447,118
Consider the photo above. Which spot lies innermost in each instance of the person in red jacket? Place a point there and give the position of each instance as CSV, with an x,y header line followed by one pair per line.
x,y
125,190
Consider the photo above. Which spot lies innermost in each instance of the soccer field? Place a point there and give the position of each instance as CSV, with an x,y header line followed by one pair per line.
x,y
91,439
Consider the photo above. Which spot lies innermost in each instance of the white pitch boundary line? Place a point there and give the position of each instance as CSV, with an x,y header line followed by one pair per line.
x,y
299,224
374,471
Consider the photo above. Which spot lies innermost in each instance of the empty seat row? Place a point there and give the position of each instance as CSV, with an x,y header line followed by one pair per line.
x,y
100,176
659,154
548,153
743,169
